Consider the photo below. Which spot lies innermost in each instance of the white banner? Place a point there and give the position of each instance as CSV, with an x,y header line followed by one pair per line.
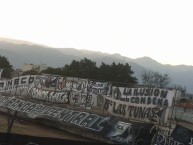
x,y
77,84
49,95
146,96
17,83
138,112
102,88
62,115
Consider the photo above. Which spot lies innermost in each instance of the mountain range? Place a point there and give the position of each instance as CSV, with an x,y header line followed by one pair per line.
x,y
19,52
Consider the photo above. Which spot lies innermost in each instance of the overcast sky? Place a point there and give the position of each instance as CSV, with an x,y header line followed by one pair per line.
x,y
162,30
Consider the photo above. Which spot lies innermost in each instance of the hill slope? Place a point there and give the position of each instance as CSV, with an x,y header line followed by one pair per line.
x,y
22,52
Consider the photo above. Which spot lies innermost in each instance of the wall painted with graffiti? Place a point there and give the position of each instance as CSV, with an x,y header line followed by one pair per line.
x,y
139,112
106,126
142,104
50,96
179,136
76,91
184,114
130,133
147,105
17,85
154,96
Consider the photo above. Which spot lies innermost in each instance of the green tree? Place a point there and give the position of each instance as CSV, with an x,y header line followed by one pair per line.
x,y
84,68
122,73
105,72
72,69
6,66
117,73
88,69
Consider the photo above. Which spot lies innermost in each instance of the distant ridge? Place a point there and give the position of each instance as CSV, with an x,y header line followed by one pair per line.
x,y
20,52
19,42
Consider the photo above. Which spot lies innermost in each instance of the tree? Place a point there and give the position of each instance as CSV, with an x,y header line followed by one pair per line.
x,y
127,73
88,69
72,69
84,68
104,72
6,66
117,73
155,79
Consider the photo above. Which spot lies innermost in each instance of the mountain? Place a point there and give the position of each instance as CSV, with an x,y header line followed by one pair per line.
x,y
20,52
14,41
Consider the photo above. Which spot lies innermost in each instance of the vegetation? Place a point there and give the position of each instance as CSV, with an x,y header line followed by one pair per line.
x,y
117,73
86,68
6,66
155,79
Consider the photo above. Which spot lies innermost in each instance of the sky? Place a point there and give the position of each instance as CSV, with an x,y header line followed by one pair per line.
x,y
162,30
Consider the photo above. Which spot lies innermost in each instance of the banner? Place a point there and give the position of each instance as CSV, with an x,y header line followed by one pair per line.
x,y
49,95
179,136
139,112
35,110
107,127
97,88
148,96
76,84
17,85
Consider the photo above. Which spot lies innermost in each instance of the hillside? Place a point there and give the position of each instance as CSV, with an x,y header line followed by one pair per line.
x,y
22,52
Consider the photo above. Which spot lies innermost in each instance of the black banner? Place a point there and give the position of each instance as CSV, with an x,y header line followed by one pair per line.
x,y
179,136
106,126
